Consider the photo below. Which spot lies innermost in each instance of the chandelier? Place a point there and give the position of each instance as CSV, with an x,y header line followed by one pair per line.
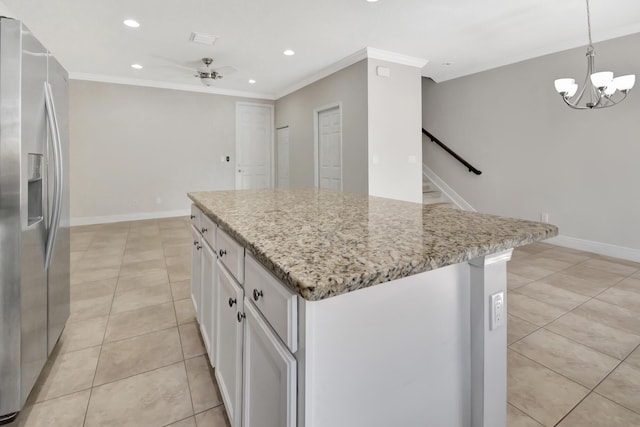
x,y
600,89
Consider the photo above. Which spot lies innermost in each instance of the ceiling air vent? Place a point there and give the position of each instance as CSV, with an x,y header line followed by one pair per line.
x,y
202,38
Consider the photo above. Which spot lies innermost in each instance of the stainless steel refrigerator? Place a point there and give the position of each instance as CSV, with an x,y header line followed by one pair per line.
x,y
34,211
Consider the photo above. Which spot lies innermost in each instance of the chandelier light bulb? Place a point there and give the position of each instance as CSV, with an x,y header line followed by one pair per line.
x,y
610,89
571,91
602,79
562,85
625,83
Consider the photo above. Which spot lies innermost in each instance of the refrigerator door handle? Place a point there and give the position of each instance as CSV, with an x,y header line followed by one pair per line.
x,y
58,175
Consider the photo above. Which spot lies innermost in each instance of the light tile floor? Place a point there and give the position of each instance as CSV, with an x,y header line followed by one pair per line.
x,y
132,354
573,335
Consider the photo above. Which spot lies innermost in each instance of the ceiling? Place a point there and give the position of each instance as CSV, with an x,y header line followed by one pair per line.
x,y
90,40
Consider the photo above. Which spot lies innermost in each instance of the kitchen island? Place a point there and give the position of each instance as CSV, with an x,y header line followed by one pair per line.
x,y
350,310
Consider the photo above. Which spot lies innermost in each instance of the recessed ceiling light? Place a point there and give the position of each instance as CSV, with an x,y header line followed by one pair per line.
x,y
252,81
136,66
371,1
289,52
131,23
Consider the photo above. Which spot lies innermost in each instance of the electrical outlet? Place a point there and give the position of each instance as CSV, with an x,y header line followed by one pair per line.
x,y
497,311
544,217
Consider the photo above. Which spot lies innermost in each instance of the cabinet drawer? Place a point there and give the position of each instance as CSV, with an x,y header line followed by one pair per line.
x,y
208,230
276,302
195,216
231,254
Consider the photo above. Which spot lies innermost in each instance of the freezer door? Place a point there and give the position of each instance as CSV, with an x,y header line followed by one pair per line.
x,y
33,211
10,225
58,274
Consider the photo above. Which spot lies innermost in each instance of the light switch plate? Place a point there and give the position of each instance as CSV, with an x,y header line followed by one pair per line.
x,y
497,310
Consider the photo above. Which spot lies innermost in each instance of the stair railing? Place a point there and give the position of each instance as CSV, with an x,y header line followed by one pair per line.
x,y
453,153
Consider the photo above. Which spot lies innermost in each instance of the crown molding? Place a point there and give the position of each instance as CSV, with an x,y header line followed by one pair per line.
x,y
357,56
365,53
325,72
398,58
165,85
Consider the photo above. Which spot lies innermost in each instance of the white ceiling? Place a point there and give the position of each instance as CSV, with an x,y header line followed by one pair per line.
x,y
90,40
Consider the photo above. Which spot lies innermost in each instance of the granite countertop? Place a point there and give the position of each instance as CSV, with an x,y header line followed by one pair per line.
x,y
323,243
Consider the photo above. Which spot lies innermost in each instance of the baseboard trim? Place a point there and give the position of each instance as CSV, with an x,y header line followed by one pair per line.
x,y
607,249
89,220
449,192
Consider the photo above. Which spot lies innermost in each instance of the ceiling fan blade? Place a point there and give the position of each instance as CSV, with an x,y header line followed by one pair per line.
x,y
173,62
226,70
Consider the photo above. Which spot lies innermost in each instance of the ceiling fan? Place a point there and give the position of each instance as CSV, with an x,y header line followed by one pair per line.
x,y
206,73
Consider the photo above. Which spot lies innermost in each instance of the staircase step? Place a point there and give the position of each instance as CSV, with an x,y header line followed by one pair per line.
x,y
428,186
432,194
432,197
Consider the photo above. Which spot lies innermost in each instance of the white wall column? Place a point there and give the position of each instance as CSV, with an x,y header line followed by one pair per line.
x,y
488,276
394,87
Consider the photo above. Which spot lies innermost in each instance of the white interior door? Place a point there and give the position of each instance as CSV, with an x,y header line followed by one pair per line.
x,y
330,149
282,158
254,145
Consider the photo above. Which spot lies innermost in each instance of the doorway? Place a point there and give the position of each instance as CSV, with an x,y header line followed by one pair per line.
x,y
282,157
254,146
328,147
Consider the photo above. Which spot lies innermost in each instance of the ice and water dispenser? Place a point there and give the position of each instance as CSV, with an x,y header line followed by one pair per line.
x,y
35,189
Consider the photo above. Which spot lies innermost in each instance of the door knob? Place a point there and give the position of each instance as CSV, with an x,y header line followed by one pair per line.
x,y
241,316
232,301
257,294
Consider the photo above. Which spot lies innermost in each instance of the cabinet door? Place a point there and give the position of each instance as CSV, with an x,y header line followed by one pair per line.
x,y
228,347
196,273
207,304
269,374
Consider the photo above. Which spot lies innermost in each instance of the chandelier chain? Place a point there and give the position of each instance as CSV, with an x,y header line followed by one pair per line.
x,y
589,24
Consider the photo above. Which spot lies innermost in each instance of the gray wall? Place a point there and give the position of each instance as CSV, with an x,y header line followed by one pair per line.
x,y
536,154
348,86
138,150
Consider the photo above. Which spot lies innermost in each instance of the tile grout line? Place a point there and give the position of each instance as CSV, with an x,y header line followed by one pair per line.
x,y
593,390
184,359
84,422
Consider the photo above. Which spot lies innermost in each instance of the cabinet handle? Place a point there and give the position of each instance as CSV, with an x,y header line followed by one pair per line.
x,y
195,242
198,247
232,301
193,217
204,230
257,294
241,316
222,253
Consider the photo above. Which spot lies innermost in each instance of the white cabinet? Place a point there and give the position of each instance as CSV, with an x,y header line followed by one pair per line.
x,y
269,376
196,274
207,304
203,265
229,330
252,352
